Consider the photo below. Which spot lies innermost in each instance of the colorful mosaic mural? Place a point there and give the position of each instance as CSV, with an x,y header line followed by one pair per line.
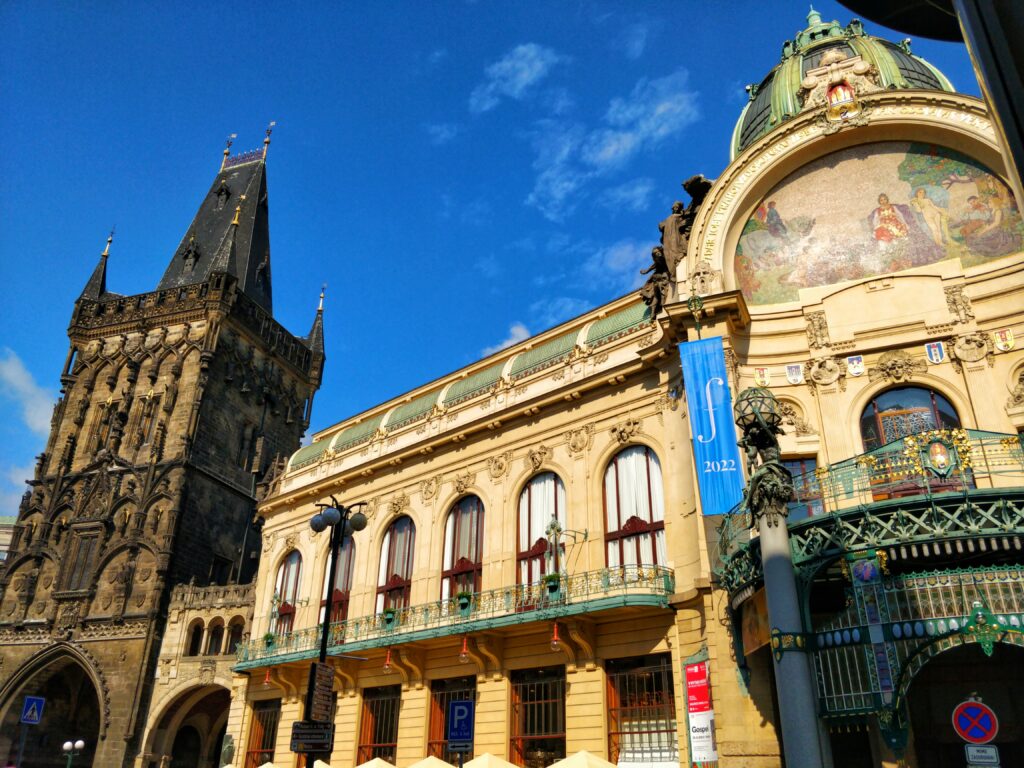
x,y
872,210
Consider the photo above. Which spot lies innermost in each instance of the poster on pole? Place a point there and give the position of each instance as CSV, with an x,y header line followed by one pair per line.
x,y
700,716
716,456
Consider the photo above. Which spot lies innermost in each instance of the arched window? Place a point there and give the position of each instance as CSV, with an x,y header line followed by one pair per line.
x,y
195,639
286,591
214,638
634,507
394,579
342,582
463,547
542,499
235,631
903,411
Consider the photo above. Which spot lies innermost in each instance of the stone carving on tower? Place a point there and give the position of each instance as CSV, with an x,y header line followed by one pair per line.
x,y
173,404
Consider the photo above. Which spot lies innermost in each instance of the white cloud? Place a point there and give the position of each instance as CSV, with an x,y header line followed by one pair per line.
x,y
548,313
618,265
570,155
437,56
516,332
513,75
634,195
442,133
17,384
489,266
13,487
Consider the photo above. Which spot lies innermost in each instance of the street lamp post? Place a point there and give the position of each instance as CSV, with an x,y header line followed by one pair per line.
x,y
343,521
72,749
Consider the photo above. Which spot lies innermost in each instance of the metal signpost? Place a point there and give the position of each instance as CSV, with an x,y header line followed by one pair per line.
x,y
460,727
31,714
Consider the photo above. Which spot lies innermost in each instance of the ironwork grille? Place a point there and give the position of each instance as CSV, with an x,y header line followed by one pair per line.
x,y
642,711
538,716
263,734
378,736
443,692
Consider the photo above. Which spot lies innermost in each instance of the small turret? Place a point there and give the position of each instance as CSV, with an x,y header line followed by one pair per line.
x,y
96,288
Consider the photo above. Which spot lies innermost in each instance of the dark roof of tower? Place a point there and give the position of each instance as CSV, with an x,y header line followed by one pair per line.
x,y
210,245
96,287
775,99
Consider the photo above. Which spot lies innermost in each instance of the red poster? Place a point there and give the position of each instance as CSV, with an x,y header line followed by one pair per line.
x,y
698,690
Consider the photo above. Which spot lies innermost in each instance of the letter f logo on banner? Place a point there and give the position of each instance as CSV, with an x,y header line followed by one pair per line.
x,y
709,406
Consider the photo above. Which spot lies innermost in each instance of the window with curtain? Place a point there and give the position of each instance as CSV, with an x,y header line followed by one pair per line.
x,y
442,693
286,591
634,506
378,734
642,729
463,547
542,499
342,582
897,413
394,580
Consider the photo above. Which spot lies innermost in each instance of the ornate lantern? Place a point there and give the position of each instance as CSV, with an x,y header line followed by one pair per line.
x,y
755,406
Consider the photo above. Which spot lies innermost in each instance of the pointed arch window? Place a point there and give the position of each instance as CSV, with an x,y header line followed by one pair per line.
x,y
394,580
634,506
463,547
542,499
286,591
342,582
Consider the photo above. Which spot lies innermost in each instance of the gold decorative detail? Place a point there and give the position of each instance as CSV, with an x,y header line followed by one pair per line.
x,y
625,430
896,366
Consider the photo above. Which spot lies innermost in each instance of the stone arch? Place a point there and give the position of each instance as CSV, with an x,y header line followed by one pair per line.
x,y
191,704
58,664
940,386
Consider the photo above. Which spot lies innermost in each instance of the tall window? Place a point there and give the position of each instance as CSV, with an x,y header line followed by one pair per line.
x,y
442,693
195,639
214,638
262,737
82,561
542,499
378,736
235,631
806,488
342,582
394,580
634,509
463,547
286,591
642,711
903,411
538,716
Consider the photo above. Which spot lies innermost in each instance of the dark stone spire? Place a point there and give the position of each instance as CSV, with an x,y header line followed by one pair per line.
x,y
230,232
96,288
315,340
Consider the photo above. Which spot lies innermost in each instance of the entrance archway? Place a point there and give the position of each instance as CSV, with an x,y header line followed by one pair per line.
x,y
71,712
949,679
190,731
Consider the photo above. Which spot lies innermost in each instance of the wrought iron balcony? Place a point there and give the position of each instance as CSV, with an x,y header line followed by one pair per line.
x,y
630,585
935,485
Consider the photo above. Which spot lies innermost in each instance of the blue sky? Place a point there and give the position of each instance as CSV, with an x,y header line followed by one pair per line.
x,y
460,174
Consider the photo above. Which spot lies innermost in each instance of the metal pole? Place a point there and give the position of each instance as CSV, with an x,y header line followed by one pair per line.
x,y
21,744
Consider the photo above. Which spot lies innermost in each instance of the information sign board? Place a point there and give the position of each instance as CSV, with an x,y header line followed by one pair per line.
x,y
309,736
321,680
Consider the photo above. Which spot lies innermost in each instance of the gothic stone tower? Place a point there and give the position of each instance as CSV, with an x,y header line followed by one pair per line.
x,y
174,405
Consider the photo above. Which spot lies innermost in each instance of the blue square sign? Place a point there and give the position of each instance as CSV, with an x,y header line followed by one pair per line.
x,y
460,721
32,710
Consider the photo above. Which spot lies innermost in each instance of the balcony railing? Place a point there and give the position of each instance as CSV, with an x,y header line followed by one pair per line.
x,y
579,593
933,462
906,492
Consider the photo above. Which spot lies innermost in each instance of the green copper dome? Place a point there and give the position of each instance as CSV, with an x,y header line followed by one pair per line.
x,y
777,97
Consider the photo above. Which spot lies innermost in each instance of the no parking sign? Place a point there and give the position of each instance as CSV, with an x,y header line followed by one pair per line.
x,y
975,722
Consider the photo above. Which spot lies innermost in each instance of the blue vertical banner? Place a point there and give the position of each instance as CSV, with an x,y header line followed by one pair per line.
x,y
709,404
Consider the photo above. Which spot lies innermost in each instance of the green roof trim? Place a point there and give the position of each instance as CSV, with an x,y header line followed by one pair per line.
x,y
618,323
308,454
473,385
409,412
357,433
548,353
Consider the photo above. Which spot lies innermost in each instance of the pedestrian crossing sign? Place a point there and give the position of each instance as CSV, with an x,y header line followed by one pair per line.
x,y
32,710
